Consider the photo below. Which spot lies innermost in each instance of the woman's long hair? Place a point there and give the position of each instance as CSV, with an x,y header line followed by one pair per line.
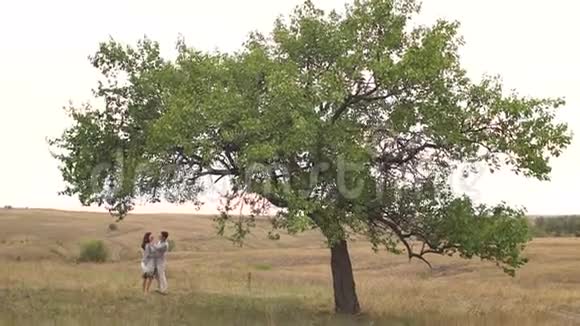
x,y
145,240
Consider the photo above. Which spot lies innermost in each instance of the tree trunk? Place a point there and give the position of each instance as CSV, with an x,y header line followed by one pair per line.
x,y
345,299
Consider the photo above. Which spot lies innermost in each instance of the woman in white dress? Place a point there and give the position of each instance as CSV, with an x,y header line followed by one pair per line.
x,y
148,261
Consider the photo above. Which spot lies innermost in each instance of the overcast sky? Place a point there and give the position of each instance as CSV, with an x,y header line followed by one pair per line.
x,y
532,44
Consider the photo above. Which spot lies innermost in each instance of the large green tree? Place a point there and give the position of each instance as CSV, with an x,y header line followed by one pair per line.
x,y
347,122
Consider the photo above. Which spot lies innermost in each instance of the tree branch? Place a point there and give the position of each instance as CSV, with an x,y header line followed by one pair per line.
x,y
404,239
411,154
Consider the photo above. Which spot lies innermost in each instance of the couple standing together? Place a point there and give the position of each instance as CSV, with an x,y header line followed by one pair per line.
x,y
153,262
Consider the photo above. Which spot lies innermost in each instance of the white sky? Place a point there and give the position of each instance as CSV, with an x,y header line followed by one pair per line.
x,y
43,64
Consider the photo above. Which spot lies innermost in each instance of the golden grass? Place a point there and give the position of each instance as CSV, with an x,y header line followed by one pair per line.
x,y
267,282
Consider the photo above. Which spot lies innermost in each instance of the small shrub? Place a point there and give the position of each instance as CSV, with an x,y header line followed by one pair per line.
x,y
113,227
170,245
263,267
93,251
7,206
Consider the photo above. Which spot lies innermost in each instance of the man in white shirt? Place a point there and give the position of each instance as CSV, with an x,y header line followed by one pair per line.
x,y
161,249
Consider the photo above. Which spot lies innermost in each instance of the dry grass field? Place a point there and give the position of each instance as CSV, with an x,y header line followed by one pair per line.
x,y
285,282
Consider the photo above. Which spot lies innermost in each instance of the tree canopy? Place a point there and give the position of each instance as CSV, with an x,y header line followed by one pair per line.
x,y
347,122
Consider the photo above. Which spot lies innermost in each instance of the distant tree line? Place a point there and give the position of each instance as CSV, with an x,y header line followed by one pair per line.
x,y
557,226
